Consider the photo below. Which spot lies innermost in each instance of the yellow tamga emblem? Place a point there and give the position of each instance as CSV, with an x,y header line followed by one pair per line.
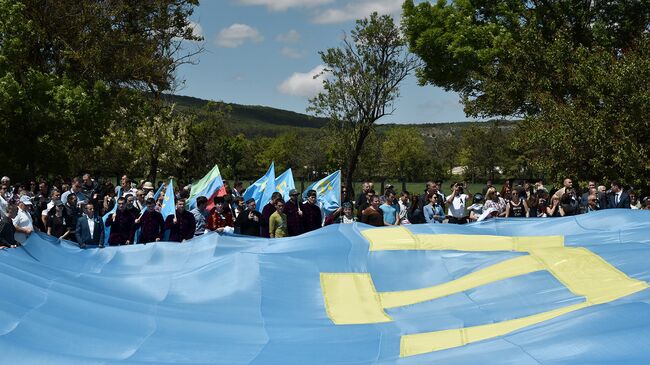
x,y
351,298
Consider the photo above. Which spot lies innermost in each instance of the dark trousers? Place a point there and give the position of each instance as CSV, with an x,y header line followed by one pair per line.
x,y
455,220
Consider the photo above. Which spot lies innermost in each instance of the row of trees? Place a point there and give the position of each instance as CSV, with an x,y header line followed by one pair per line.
x,y
81,87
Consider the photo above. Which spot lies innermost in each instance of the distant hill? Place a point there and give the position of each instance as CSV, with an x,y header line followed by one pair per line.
x,y
255,120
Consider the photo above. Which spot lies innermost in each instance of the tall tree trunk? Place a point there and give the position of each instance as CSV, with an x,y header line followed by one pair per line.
x,y
153,164
354,159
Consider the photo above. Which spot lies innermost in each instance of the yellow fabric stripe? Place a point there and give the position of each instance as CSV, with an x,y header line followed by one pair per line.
x,y
352,299
390,238
435,341
503,270
587,274
486,243
400,238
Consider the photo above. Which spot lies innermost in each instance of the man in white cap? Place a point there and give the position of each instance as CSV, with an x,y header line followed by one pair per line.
x,y
23,220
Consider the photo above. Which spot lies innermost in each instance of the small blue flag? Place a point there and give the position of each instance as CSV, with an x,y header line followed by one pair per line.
x,y
107,230
262,189
169,201
284,183
328,192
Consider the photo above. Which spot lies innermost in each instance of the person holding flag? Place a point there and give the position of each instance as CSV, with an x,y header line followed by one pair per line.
x,y
294,214
311,215
121,224
327,199
181,224
267,211
150,223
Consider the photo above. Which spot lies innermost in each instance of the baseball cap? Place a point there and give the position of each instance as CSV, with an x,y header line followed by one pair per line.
x,y
25,200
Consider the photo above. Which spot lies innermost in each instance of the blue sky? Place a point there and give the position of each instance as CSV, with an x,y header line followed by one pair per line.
x,y
263,52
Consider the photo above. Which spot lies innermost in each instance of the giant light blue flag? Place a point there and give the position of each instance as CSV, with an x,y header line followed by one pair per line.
x,y
328,192
262,189
284,183
537,291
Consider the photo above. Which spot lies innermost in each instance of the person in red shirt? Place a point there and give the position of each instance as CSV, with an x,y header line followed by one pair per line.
x,y
372,215
220,219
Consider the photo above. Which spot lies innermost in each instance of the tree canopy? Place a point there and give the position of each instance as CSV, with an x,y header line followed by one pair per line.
x,y
69,70
576,72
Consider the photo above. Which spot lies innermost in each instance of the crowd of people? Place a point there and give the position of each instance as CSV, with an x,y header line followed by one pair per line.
x,y
73,210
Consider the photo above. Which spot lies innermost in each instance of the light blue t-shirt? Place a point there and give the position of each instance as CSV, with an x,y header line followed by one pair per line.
x,y
390,213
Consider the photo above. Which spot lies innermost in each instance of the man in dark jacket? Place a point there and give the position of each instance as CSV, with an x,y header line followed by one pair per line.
x,y
248,221
618,198
266,214
294,214
90,228
72,213
151,223
182,225
311,215
121,223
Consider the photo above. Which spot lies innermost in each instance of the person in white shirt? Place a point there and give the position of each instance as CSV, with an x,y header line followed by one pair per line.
x,y
3,202
404,205
456,202
55,195
23,221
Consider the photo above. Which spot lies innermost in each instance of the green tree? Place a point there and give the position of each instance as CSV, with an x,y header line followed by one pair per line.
x,y
361,84
68,69
405,154
574,71
482,151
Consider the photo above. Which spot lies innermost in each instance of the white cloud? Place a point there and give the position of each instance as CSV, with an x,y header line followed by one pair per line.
x,y
303,84
291,52
277,5
237,34
197,30
291,36
358,10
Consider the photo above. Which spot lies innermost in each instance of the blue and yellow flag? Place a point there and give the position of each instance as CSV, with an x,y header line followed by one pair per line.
x,y
284,183
169,201
328,192
538,291
262,189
